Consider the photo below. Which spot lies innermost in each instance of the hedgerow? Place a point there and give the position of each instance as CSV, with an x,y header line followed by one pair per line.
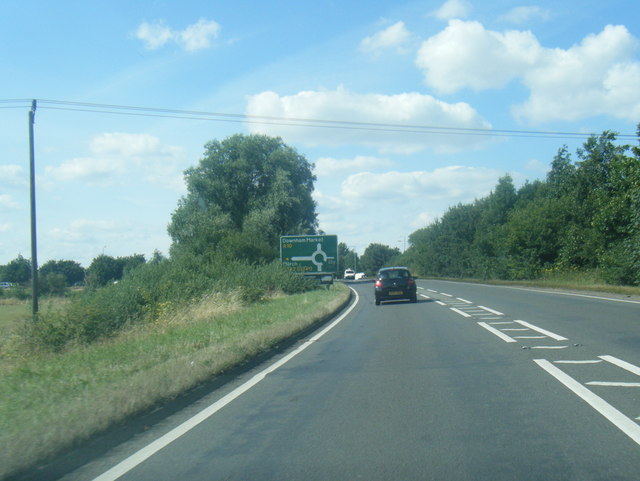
x,y
153,288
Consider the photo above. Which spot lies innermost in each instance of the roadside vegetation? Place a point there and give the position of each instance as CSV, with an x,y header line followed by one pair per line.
x,y
583,221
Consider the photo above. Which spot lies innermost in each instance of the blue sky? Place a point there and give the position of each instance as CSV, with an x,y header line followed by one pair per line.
x,y
107,182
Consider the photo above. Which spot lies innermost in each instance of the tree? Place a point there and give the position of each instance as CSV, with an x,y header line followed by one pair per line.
x,y
129,263
562,176
52,283
376,256
71,271
255,186
347,258
103,269
18,270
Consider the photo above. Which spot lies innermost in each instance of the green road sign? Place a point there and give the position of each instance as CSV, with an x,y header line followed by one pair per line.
x,y
310,254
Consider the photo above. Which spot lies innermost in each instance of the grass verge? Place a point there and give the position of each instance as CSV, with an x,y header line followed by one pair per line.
x,y
50,401
588,282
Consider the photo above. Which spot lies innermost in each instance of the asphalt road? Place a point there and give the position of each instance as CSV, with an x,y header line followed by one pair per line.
x,y
473,382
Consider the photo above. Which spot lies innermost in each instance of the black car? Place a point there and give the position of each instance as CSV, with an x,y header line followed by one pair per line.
x,y
395,283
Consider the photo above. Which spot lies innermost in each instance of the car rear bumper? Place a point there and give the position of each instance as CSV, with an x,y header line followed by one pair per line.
x,y
394,294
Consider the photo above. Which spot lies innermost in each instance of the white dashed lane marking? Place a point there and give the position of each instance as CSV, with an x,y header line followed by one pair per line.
x,y
528,331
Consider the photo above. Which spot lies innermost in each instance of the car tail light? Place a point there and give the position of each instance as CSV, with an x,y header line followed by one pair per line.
x,y
378,283
410,281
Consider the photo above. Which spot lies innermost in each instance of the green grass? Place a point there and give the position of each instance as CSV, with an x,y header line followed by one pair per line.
x,y
48,401
12,311
589,281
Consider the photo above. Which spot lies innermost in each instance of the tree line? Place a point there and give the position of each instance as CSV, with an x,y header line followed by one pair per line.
x,y
584,216
55,276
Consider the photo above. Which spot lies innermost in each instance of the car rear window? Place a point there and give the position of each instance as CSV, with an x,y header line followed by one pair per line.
x,y
394,274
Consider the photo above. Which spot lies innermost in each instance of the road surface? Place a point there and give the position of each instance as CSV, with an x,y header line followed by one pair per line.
x,y
473,382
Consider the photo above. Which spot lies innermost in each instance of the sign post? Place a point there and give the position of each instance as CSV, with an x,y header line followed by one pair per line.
x,y
311,255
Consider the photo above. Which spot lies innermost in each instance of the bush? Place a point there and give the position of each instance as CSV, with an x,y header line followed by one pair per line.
x,y
53,283
147,291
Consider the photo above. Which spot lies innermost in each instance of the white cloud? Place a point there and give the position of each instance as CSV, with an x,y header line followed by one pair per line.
x,y
520,15
326,166
367,109
598,76
5,228
86,230
455,183
7,202
453,9
393,37
95,171
12,176
197,36
154,35
116,157
466,55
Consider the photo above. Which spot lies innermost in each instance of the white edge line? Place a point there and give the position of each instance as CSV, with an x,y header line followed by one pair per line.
x,y
447,295
542,331
492,330
497,313
573,294
549,347
464,300
440,303
623,364
594,361
622,422
425,296
145,453
613,384
458,311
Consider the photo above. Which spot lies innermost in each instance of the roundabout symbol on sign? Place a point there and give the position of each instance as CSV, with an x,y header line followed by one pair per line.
x,y
314,257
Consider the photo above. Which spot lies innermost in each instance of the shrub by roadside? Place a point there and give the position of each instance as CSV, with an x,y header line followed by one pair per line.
x,y
151,291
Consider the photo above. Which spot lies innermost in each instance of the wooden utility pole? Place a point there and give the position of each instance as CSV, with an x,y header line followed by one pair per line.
x,y
34,242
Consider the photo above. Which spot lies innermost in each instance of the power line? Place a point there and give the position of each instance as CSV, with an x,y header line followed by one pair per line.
x,y
157,112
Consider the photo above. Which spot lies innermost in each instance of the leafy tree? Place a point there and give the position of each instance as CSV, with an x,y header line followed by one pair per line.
x,y
376,256
255,186
586,215
103,270
71,271
347,258
18,270
562,176
129,263
157,257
